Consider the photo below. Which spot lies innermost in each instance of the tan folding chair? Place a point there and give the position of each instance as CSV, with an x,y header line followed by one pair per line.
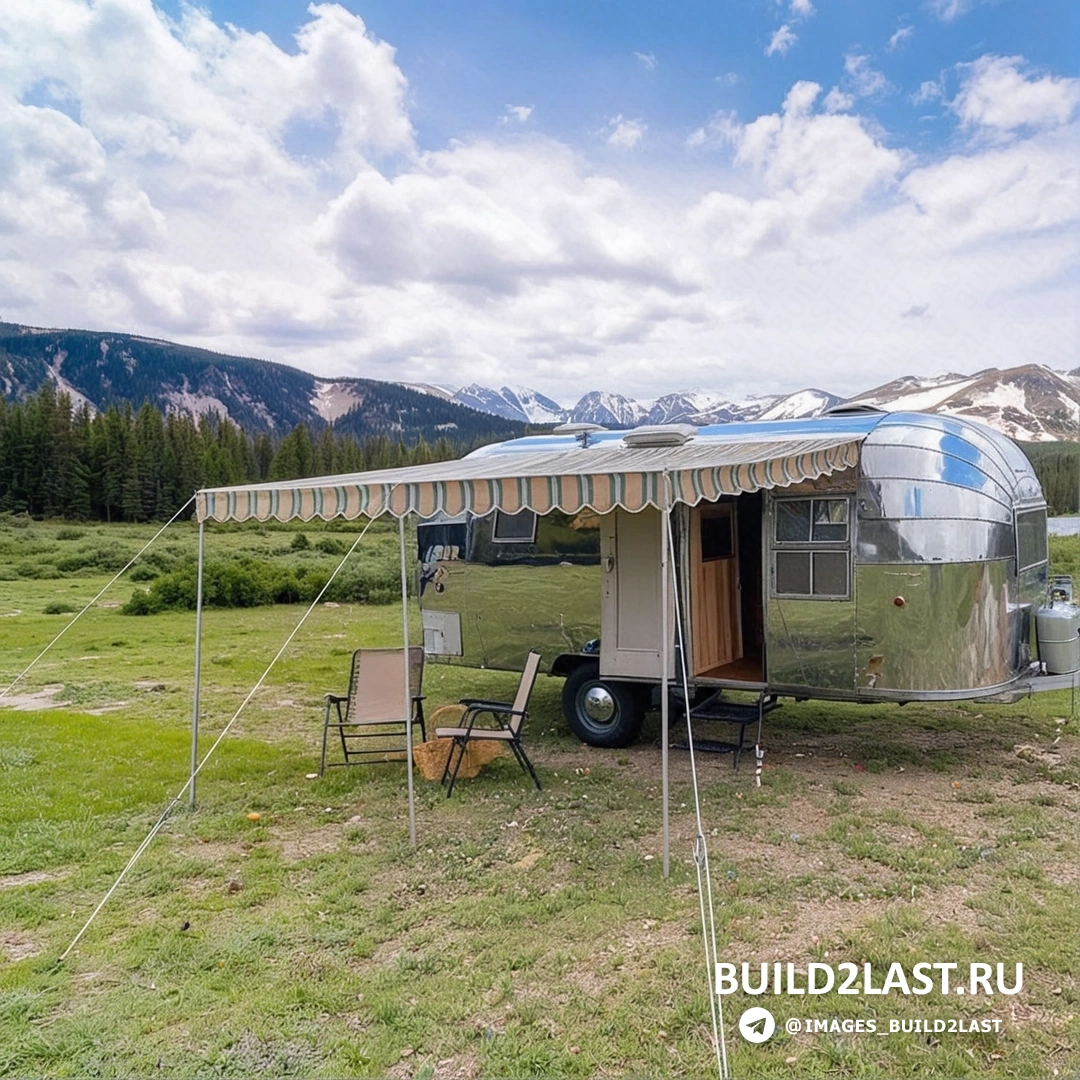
x,y
373,724
508,715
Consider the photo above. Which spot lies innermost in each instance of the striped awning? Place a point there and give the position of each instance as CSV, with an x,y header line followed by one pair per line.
x,y
600,477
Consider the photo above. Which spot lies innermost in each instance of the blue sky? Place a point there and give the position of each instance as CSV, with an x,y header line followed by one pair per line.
x,y
743,196
673,64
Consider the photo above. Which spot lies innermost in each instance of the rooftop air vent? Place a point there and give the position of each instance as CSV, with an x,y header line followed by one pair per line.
x,y
580,431
660,435
854,408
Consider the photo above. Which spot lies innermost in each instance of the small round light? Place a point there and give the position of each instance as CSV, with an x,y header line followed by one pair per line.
x,y
899,601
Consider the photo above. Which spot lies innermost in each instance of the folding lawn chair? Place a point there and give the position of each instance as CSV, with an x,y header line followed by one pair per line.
x,y
508,715
373,725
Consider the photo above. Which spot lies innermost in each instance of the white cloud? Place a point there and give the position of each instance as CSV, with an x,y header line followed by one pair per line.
x,y
837,101
801,9
864,80
900,37
647,60
781,41
930,90
947,10
995,94
195,181
722,129
729,78
518,114
625,134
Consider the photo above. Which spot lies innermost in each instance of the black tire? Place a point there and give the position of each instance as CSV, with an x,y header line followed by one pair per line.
x,y
625,705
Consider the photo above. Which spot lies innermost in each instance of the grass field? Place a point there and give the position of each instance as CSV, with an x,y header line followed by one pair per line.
x,y
530,934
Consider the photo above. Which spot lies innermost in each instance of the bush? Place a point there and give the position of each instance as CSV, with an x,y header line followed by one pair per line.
x,y
300,542
330,546
108,559
249,582
60,608
364,584
141,603
70,534
143,573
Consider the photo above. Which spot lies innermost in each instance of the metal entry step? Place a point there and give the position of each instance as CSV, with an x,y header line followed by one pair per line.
x,y
718,709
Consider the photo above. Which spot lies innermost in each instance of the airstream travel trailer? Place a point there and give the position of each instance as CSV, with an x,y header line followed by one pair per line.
x,y
862,556
904,561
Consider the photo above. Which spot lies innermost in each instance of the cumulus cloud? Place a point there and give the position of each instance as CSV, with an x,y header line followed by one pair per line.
x,y
929,90
864,80
898,39
801,9
722,129
781,41
518,114
625,134
188,179
837,101
996,94
947,10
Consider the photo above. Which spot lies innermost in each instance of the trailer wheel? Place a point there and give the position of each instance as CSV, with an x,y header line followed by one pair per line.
x,y
599,712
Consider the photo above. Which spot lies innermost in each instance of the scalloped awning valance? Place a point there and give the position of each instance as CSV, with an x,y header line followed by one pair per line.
x,y
600,477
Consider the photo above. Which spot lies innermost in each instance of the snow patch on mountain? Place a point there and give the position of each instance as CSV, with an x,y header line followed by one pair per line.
x,y
609,410
434,389
334,399
799,405
534,406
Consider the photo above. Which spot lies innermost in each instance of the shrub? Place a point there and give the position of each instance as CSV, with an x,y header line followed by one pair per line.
x,y
60,608
93,558
70,534
330,546
300,542
249,582
143,573
141,603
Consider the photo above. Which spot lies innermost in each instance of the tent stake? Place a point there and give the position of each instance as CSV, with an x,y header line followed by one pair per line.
x,y
198,665
665,645
408,689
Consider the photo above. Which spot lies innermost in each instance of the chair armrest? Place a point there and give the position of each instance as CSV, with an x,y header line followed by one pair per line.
x,y
477,703
334,699
496,708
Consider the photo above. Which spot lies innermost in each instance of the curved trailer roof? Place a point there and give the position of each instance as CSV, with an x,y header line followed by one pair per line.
x,y
555,472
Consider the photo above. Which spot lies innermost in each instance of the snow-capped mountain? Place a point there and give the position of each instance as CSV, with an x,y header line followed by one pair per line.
x,y
610,410
796,406
1029,403
697,407
512,403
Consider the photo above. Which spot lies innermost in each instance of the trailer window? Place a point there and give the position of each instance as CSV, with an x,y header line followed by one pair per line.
x,y
1030,539
519,528
812,548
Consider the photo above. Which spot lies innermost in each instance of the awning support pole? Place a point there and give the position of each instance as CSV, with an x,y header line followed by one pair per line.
x,y
408,688
198,666
665,645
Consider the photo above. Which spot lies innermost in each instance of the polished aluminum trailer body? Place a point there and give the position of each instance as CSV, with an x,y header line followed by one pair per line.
x,y
913,574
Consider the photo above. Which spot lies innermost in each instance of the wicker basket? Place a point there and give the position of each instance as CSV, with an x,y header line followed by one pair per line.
x,y
431,756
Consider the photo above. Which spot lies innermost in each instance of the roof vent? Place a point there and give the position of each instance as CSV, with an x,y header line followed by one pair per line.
x,y
580,431
854,408
660,435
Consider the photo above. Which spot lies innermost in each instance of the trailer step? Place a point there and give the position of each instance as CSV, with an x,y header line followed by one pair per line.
x,y
717,710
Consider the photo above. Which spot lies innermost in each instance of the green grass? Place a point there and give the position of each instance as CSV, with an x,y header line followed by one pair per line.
x,y
530,934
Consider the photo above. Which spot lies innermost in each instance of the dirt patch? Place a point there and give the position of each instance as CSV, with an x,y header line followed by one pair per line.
x,y
299,844
460,1067
31,877
34,701
18,946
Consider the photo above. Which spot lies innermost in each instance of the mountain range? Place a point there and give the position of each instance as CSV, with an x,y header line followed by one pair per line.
x,y
1029,403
